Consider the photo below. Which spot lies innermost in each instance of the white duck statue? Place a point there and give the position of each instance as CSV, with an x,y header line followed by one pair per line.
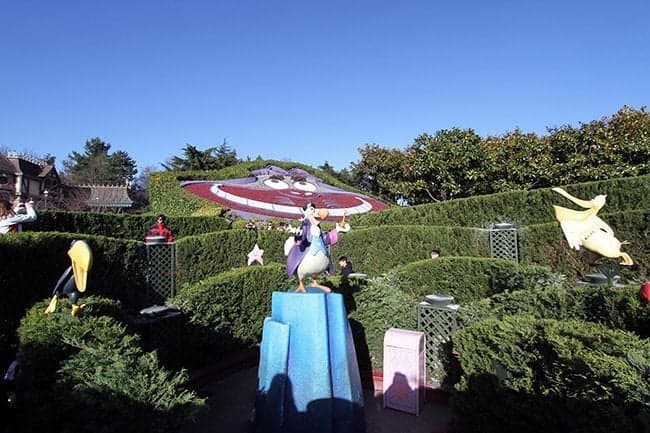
x,y
585,228
307,253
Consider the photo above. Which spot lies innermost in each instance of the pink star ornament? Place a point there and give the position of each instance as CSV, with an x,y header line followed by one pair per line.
x,y
256,255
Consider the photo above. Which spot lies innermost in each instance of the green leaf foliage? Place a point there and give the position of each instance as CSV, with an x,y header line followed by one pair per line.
x,y
374,306
466,278
545,244
616,308
33,263
376,250
134,227
518,207
225,312
199,257
526,374
87,374
96,166
456,162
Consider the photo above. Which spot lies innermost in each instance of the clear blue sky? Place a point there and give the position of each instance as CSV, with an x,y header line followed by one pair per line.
x,y
309,81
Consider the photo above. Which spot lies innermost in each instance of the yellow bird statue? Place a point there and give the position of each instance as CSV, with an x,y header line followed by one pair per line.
x,y
585,228
72,282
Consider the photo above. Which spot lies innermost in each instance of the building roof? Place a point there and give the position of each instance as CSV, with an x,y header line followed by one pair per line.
x,y
48,169
6,166
108,196
15,163
27,165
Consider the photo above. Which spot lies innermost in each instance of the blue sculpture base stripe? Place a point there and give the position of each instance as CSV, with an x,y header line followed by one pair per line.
x,y
272,377
345,371
309,364
318,389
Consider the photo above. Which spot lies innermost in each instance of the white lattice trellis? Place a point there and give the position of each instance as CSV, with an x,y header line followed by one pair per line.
x,y
503,242
161,274
437,323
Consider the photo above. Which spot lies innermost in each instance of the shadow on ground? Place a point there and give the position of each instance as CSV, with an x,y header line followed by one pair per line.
x,y
231,400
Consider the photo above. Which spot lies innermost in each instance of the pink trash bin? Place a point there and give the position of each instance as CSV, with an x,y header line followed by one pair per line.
x,y
404,370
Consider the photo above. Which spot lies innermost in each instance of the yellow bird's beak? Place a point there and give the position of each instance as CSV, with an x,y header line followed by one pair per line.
x,y
323,214
82,259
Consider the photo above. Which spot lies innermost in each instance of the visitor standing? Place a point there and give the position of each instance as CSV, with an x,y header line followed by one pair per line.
x,y
161,229
12,221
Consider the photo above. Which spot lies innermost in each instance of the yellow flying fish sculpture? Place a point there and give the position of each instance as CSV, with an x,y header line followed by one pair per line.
x,y
585,228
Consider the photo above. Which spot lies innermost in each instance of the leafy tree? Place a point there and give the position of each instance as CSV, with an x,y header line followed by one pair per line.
x,y
140,188
192,159
96,166
381,172
611,147
630,131
226,156
212,158
448,165
344,175
518,161
458,163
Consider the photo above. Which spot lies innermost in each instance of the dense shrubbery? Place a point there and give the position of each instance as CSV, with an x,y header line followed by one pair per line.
x,y
206,255
33,262
518,207
133,227
456,162
199,257
376,250
616,308
545,244
525,374
87,374
225,312
379,249
374,306
229,308
467,278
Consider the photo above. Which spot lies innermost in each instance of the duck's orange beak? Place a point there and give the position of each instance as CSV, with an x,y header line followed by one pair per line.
x,y
323,214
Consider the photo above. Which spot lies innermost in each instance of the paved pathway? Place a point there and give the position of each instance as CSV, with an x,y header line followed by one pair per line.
x,y
231,399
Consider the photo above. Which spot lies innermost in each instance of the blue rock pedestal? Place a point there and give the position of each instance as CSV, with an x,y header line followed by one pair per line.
x,y
308,373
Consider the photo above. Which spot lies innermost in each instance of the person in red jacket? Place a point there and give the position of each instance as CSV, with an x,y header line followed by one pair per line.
x,y
161,229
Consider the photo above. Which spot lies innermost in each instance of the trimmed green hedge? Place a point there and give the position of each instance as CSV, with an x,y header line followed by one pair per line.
x,y
616,308
87,374
518,207
206,255
467,278
225,312
524,374
378,249
121,226
374,251
374,306
32,263
545,244
200,257
118,267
